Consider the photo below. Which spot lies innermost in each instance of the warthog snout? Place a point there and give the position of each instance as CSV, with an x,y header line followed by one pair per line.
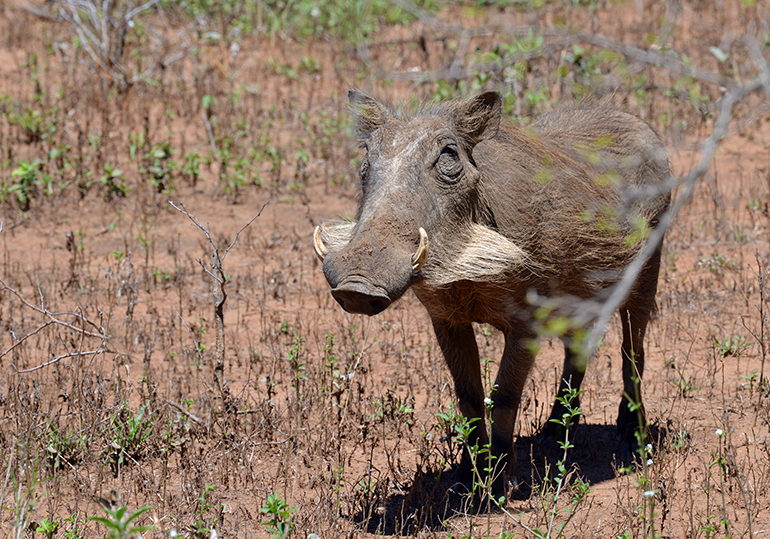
x,y
361,298
389,274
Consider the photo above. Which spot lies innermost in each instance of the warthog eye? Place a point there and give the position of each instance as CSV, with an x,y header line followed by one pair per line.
x,y
449,165
364,169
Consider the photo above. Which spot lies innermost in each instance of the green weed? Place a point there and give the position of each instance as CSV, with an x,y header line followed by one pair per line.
x,y
47,528
203,525
63,446
114,181
280,514
730,346
126,436
119,524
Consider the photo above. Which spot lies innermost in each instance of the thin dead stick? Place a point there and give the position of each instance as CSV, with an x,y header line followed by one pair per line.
x,y
52,316
101,35
244,228
186,412
24,338
59,358
52,320
220,296
180,208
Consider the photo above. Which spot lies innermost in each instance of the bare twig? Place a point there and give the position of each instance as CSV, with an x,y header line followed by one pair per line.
x,y
186,412
53,319
102,34
57,359
25,337
244,228
211,137
180,208
220,296
53,316
137,10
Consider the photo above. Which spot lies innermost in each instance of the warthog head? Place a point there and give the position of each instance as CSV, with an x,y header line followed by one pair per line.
x,y
419,183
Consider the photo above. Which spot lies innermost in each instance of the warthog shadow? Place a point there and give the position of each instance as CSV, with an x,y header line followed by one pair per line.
x,y
433,496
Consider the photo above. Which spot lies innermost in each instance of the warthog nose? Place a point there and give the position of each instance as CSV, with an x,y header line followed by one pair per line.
x,y
359,298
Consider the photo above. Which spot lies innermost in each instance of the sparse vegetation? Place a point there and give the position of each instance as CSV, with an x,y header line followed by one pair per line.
x,y
306,421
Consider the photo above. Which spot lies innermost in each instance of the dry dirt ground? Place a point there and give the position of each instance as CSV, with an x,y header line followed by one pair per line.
x,y
108,330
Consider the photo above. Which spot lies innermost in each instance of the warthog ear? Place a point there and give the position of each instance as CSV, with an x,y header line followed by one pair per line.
x,y
368,113
478,118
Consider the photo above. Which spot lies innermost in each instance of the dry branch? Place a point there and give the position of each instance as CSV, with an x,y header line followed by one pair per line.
x,y
102,29
555,39
54,319
219,280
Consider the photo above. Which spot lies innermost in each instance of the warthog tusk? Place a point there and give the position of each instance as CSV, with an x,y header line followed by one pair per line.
x,y
318,244
421,256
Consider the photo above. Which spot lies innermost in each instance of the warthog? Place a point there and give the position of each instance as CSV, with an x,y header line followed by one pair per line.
x,y
476,214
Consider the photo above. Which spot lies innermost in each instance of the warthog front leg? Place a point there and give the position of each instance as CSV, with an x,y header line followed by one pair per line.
x,y
458,343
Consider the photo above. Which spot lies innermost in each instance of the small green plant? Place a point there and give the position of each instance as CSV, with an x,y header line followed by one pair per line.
x,y
113,180
310,64
203,526
683,386
480,457
74,531
280,514
26,181
446,423
751,380
25,491
63,446
394,408
720,461
137,142
47,528
718,264
126,436
161,274
191,167
731,346
38,125
143,237
119,524
338,381
276,160
552,489
297,364
680,441
158,165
